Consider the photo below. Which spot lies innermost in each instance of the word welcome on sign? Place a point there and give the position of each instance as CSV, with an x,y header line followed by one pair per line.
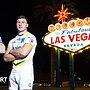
x,y
70,36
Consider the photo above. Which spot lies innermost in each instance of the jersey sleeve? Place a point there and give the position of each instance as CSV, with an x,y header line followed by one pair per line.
x,y
9,47
31,40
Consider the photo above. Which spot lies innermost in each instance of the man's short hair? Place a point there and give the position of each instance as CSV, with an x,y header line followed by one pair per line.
x,y
22,16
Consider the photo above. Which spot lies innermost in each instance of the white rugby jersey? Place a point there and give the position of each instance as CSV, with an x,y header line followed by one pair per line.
x,y
19,41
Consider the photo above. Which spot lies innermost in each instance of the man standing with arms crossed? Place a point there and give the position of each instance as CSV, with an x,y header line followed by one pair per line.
x,y
20,52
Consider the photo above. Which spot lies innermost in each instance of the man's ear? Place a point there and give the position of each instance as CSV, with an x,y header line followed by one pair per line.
x,y
27,25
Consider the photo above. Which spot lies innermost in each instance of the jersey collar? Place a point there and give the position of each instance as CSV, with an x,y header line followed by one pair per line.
x,y
24,33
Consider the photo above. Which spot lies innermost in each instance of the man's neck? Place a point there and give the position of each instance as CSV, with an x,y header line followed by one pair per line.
x,y
23,32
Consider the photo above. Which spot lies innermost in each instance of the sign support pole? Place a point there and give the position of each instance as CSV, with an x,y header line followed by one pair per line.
x,y
71,70
58,69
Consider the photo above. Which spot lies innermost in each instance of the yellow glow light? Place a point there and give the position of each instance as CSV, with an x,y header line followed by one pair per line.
x,y
80,51
67,51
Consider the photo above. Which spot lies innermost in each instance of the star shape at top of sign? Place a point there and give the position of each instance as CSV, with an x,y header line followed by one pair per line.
x,y
63,14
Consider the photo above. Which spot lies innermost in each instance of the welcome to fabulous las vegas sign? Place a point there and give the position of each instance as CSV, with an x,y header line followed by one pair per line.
x,y
71,36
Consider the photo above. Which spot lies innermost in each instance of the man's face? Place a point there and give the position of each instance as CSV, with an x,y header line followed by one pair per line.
x,y
21,24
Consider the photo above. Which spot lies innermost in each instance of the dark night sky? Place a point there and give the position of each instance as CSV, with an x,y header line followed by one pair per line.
x,y
10,9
